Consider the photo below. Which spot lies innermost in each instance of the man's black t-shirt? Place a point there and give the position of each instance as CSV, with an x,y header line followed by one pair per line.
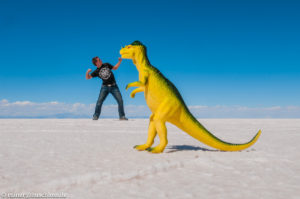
x,y
104,72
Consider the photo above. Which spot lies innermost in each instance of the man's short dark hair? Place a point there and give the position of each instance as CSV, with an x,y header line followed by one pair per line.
x,y
94,60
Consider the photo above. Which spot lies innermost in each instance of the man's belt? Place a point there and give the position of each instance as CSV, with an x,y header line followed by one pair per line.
x,y
110,85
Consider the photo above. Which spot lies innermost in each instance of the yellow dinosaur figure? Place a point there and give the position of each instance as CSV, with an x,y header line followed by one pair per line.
x,y
167,105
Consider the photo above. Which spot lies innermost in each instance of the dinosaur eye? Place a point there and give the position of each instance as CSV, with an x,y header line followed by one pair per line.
x,y
128,47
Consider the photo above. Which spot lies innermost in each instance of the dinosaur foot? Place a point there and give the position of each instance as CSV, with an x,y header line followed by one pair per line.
x,y
141,147
155,150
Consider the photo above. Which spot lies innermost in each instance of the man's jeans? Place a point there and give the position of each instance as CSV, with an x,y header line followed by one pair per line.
x,y
105,90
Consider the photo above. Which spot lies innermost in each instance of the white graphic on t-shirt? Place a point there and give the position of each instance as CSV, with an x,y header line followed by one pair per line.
x,y
104,73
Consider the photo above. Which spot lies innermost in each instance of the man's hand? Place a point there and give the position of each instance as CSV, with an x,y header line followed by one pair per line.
x,y
87,74
120,59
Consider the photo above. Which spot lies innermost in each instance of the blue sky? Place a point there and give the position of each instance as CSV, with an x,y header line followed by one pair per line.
x,y
228,53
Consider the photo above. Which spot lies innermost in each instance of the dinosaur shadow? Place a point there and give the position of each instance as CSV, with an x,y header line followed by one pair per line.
x,y
176,148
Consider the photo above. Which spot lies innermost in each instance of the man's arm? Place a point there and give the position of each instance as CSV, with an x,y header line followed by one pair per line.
x,y
87,74
118,64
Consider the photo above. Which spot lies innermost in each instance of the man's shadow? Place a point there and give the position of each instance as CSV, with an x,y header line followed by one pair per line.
x,y
175,148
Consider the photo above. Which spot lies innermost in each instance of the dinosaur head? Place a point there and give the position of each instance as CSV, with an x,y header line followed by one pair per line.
x,y
129,51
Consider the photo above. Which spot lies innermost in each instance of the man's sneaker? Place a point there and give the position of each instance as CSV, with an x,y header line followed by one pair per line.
x,y
123,118
95,118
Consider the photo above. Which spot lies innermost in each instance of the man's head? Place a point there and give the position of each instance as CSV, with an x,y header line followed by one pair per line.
x,y
97,62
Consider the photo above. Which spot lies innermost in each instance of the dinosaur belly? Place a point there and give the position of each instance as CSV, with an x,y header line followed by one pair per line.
x,y
156,93
151,102
155,96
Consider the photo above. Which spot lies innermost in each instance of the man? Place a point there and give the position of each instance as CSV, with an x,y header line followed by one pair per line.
x,y
109,85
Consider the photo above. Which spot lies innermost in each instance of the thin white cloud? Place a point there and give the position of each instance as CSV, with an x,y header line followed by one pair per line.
x,y
29,109
54,109
246,112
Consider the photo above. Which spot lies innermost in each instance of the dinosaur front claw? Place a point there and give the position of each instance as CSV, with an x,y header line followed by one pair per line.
x,y
132,95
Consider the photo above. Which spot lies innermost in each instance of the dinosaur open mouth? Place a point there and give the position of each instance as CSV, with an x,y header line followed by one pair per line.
x,y
124,53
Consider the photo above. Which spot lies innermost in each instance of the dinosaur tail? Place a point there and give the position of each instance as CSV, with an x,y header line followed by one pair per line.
x,y
190,125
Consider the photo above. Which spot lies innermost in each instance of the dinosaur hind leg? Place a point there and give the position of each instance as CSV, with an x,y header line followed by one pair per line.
x,y
151,135
162,133
164,113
